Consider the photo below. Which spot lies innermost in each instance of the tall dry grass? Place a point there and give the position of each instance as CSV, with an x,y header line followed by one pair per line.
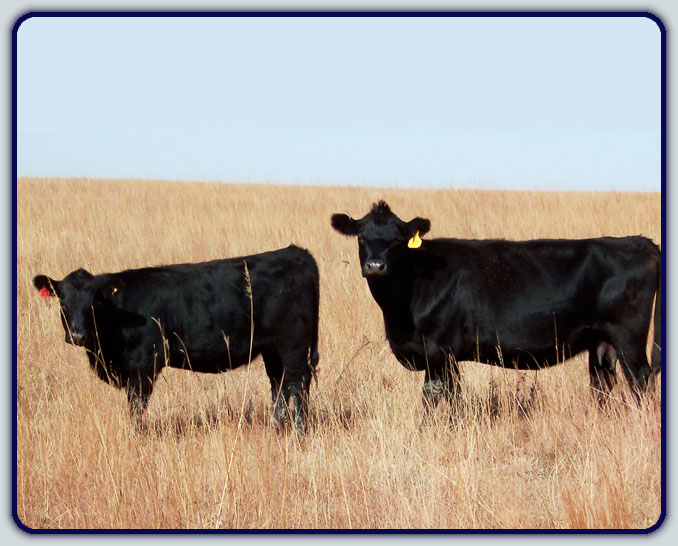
x,y
527,450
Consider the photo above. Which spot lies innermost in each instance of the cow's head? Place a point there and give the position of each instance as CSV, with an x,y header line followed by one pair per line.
x,y
80,294
382,237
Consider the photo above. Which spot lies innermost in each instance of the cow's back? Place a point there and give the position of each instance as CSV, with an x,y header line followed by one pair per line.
x,y
214,315
527,297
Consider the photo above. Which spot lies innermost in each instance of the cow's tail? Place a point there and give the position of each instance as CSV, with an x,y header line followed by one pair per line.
x,y
313,356
656,353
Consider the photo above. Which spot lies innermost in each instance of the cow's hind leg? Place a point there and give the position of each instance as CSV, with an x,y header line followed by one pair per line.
x,y
290,376
274,370
602,363
634,364
296,381
296,384
629,304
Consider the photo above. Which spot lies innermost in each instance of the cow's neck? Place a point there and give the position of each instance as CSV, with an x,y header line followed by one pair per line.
x,y
393,294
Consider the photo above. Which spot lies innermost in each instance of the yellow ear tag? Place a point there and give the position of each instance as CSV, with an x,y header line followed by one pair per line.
x,y
415,241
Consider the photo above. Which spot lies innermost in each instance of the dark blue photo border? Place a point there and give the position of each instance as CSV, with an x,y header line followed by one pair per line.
x,y
337,13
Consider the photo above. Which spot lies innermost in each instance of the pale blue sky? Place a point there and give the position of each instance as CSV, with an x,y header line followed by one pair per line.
x,y
525,103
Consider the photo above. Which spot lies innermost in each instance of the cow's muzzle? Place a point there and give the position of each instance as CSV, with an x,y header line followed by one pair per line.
x,y
374,268
76,338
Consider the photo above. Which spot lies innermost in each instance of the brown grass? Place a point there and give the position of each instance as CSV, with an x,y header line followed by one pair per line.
x,y
528,450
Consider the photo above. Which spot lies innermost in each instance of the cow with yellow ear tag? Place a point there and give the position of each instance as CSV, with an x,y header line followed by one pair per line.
x,y
518,304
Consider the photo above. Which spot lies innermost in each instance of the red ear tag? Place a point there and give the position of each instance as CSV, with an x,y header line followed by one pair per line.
x,y
44,292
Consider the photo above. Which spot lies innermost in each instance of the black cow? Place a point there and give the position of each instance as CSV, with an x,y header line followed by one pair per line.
x,y
207,317
524,305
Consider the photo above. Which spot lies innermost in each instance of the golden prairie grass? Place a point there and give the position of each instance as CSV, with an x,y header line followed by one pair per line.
x,y
527,449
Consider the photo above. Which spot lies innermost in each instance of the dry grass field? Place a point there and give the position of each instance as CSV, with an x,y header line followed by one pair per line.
x,y
528,449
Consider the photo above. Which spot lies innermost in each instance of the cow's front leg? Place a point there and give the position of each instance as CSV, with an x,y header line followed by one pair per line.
x,y
451,385
139,390
441,379
431,392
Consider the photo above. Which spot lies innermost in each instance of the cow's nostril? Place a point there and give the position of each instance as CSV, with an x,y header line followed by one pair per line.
x,y
375,268
77,338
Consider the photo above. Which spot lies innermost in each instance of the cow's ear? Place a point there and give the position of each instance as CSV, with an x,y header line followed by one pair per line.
x,y
111,287
46,286
421,225
343,223
81,275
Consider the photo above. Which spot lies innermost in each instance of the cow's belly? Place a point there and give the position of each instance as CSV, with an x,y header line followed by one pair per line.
x,y
213,358
523,349
205,351
522,359
531,349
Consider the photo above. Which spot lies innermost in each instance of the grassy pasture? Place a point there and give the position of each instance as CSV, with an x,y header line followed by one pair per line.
x,y
528,450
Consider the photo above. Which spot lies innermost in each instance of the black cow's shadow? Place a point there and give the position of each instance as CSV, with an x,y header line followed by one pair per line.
x,y
489,406
252,415
522,403
203,420
335,416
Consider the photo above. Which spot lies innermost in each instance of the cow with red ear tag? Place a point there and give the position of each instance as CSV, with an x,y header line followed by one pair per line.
x,y
206,317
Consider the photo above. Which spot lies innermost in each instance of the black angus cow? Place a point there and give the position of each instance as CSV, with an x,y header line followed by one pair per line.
x,y
524,305
207,317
